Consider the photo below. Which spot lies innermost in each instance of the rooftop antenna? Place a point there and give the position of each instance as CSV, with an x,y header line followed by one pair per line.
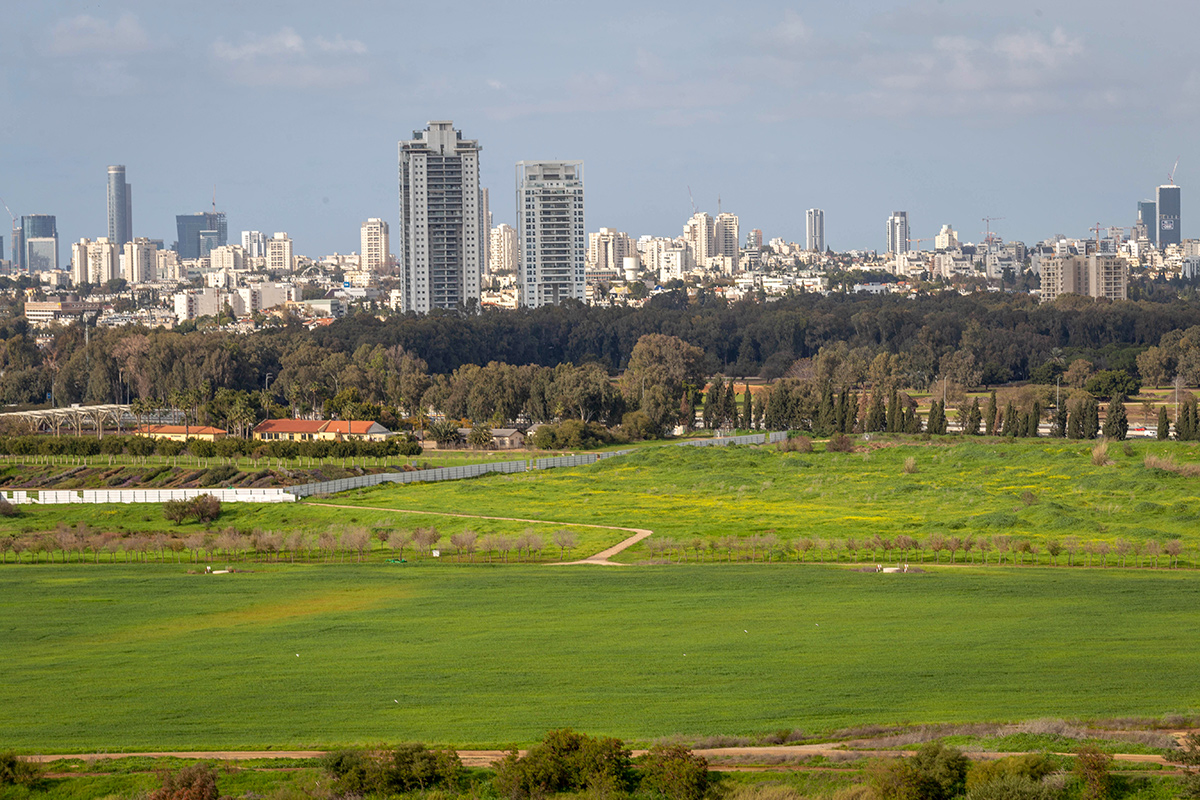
x,y
1170,175
718,205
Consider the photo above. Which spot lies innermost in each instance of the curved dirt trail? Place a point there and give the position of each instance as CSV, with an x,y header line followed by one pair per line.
x,y
601,558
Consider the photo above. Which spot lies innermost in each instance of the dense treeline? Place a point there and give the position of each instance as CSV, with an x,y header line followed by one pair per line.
x,y
1009,337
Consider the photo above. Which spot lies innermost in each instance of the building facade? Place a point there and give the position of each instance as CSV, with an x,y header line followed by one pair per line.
x,y
139,260
1096,275
279,253
1147,221
199,233
726,236
814,226
552,241
120,206
376,251
607,249
1168,216
897,232
698,233
37,230
441,235
503,255
254,243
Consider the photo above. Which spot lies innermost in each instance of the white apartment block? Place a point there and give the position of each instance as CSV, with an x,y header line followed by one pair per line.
x,y
725,236
897,232
166,265
503,253
698,233
254,243
262,296
279,253
814,226
228,258
375,252
607,249
79,261
196,303
1097,275
103,262
551,233
441,242
139,260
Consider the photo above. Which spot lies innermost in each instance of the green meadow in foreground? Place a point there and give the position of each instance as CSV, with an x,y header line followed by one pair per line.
x,y
1040,490
149,657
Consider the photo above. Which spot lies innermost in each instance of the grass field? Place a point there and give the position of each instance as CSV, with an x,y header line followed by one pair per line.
x,y
148,657
1040,490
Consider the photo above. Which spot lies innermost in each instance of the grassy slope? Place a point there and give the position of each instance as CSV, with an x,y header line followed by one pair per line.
x,y
148,657
969,488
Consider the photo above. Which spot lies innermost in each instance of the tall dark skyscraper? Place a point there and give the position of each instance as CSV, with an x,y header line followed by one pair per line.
x,y
1168,216
1148,218
200,233
120,206
39,242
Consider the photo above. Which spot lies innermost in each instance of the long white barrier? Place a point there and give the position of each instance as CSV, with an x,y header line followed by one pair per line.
x,y
59,497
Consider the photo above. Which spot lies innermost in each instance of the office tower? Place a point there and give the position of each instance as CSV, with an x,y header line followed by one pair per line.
x,y
254,243
897,232
376,252
200,232
503,255
607,249
814,227
550,229
1147,220
279,253
14,244
139,260
698,233
1168,216
37,247
441,241
725,235
1,248
120,206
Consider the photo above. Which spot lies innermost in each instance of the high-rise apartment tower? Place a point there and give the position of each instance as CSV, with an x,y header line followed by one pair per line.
x,y
120,206
814,226
441,236
552,241
897,232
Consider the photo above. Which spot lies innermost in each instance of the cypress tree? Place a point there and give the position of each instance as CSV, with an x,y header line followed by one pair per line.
x,y
934,424
893,413
1011,421
877,415
974,418
1194,417
710,405
1059,429
748,409
1035,419
1075,421
1164,424
825,420
729,406
1183,423
989,415
1116,421
851,413
1091,418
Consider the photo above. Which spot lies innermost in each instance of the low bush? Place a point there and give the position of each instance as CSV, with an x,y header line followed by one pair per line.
x,y
841,443
795,444
674,772
16,771
7,509
910,466
194,782
565,761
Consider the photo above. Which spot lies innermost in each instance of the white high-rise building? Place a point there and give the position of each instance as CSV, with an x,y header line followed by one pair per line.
x,y
551,233
227,258
725,236
376,252
79,261
103,262
698,233
166,266
897,232
139,260
607,249
485,227
441,235
254,243
814,226
946,239
503,255
279,253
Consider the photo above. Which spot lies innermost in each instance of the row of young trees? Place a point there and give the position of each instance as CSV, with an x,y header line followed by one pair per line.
x,y
142,446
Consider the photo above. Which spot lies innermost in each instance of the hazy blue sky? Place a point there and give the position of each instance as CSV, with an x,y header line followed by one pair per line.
x,y
1054,114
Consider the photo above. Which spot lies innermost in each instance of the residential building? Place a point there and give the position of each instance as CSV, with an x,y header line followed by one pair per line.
x,y
311,430
254,243
196,303
263,296
946,239
503,255
166,266
279,253
375,253
897,232
227,258
1169,231
1096,275
441,236
181,433
698,234
550,229
120,206
485,227
139,260
814,226
607,249
200,232
103,262
725,236
1147,222
754,239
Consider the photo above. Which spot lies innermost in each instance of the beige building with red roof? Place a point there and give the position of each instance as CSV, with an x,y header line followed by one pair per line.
x,y
311,430
181,433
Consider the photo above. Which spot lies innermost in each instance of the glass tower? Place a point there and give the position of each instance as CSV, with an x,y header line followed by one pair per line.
x,y
120,206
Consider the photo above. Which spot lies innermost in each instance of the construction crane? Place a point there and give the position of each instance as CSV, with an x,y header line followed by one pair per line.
x,y
695,211
987,221
9,210
1171,174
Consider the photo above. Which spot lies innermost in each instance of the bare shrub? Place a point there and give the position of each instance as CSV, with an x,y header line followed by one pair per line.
x,y
764,791
1100,455
1050,727
795,444
841,443
7,509
910,466
1168,464
1029,498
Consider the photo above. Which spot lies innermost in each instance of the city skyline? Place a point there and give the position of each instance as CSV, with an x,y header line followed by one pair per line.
x,y
951,111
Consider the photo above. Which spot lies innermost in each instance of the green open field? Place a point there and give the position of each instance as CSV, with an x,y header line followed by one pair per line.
x,y
149,657
1039,490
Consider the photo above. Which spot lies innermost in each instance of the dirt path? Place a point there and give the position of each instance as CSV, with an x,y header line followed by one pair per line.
x,y
601,558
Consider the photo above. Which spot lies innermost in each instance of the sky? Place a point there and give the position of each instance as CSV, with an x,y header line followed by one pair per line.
x,y
1051,115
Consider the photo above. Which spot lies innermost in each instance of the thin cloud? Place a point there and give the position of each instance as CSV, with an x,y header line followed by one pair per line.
x,y
88,35
285,58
